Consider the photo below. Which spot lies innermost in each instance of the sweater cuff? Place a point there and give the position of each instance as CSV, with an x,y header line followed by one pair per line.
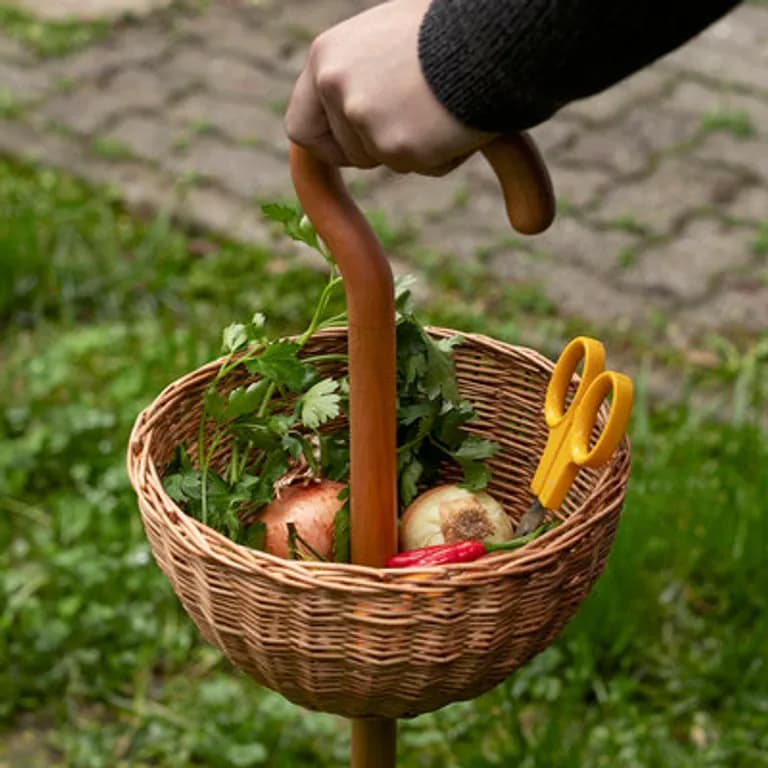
x,y
460,61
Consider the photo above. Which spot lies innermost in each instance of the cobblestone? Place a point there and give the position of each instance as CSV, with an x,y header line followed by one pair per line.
x,y
132,47
87,109
662,180
25,83
677,189
146,137
750,156
606,106
242,122
688,266
246,172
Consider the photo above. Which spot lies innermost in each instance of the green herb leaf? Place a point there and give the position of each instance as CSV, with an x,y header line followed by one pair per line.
x,y
320,403
476,475
474,447
341,530
295,223
409,479
234,337
214,404
280,364
244,400
334,456
255,535
440,377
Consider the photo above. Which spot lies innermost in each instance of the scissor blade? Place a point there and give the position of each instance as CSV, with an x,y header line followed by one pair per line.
x,y
531,519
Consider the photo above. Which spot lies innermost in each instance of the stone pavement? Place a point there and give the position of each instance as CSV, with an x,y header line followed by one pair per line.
x,y
662,181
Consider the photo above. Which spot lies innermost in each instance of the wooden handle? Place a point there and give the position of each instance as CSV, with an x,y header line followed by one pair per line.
x,y
371,338
525,182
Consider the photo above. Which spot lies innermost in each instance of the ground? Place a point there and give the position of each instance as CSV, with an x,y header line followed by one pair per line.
x,y
661,181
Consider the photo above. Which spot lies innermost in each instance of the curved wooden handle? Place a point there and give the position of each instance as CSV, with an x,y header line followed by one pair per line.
x,y
371,339
371,326
525,182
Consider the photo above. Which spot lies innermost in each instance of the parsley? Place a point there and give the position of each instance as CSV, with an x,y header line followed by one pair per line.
x,y
271,426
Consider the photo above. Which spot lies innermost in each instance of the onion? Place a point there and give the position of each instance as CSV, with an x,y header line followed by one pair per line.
x,y
312,509
448,514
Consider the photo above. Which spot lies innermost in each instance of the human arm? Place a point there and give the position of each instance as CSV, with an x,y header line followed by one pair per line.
x,y
419,85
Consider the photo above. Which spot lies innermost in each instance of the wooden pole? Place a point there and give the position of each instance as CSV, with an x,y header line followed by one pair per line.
x,y
371,340
373,418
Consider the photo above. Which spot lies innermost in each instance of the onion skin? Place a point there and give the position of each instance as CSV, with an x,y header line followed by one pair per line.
x,y
312,509
448,514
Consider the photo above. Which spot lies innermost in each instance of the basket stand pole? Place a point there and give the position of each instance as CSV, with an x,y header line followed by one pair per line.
x,y
372,367
373,417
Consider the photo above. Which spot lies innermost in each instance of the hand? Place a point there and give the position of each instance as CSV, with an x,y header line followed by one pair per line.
x,y
363,101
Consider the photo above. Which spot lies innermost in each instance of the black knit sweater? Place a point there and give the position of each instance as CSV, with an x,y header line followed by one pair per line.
x,y
506,65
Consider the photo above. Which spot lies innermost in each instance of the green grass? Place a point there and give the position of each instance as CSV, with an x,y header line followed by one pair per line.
x,y
738,123
664,665
50,38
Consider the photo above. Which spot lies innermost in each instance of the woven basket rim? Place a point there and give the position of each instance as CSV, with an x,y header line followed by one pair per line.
x,y
349,577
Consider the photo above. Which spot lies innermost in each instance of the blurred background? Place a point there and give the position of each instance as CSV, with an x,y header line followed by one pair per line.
x,y
139,139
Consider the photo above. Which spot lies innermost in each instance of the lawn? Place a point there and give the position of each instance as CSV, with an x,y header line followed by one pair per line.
x,y
664,665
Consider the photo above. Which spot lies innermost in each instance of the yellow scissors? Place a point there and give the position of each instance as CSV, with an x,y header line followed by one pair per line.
x,y
570,429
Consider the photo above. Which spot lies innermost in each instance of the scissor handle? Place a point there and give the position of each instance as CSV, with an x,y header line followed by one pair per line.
x,y
592,352
574,451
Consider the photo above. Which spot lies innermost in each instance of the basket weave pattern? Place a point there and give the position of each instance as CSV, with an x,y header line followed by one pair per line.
x,y
360,641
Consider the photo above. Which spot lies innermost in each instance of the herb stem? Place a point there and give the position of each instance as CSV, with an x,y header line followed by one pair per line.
x,y
322,304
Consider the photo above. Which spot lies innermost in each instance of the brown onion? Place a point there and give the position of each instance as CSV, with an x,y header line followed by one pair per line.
x,y
448,514
312,508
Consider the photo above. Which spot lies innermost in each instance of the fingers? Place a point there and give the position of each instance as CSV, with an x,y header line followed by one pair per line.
x,y
306,122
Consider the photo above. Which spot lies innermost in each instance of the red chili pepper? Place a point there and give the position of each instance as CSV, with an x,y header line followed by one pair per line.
x,y
439,554
459,552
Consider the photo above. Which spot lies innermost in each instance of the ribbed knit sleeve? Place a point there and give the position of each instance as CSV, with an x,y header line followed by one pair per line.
x,y
505,65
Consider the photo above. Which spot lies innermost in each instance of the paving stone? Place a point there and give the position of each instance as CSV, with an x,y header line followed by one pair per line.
x,y
224,214
231,77
611,149
90,9
139,186
706,101
750,203
220,30
89,107
184,67
749,155
32,144
676,189
24,82
738,64
306,19
242,122
125,48
577,187
410,199
146,137
577,293
606,106
687,266
572,241
555,134
745,28
251,173
735,309
14,50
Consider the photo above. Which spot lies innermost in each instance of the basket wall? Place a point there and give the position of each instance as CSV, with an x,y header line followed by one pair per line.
x,y
359,641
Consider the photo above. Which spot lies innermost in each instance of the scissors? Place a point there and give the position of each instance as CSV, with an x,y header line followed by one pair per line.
x,y
570,429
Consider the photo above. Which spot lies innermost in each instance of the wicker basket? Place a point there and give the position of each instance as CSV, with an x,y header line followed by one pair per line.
x,y
360,641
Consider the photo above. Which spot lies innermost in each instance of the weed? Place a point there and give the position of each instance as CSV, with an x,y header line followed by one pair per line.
x,y
111,149
737,123
50,38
